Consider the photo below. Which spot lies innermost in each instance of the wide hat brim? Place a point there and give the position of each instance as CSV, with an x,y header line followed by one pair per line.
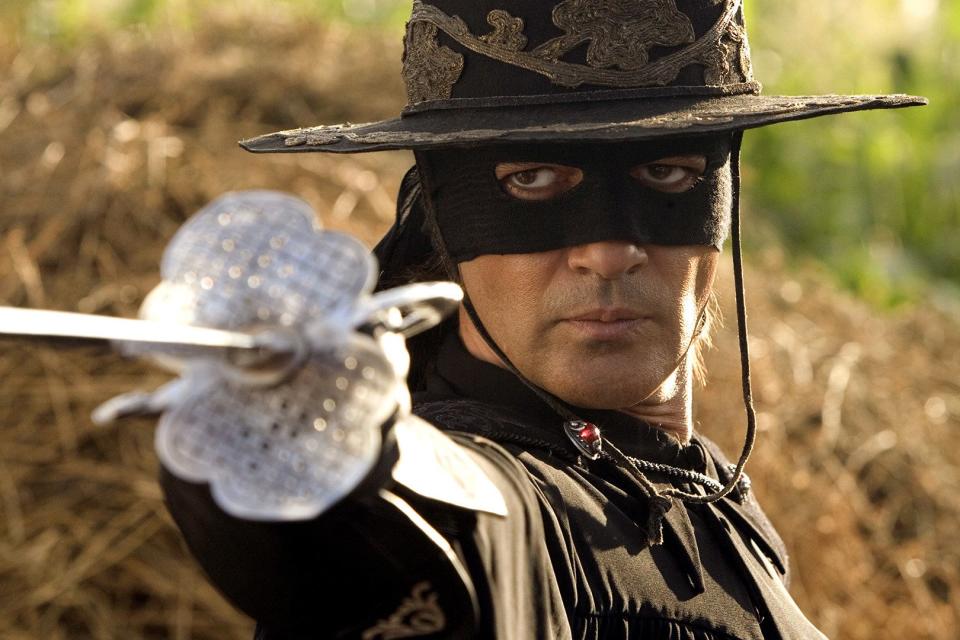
x,y
622,120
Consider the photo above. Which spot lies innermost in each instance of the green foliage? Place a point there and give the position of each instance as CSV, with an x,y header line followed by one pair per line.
x,y
873,196
69,20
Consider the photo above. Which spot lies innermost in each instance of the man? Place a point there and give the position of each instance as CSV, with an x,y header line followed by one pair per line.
x,y
578,173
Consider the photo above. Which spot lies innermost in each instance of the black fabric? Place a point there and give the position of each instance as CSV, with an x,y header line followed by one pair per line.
x,y
477,217
339,567
460,376
569,561
600,96
715,575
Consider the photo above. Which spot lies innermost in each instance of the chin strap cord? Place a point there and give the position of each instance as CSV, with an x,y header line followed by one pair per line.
x,y
659,502
751,436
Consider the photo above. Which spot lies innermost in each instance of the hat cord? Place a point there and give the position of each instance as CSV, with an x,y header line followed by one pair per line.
x,y
737,255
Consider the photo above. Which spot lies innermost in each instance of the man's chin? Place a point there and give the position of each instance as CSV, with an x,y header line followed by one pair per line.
x,y
601,381
598,393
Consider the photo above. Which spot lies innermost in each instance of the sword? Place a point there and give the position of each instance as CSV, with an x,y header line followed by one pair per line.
x,y
62,326
250,278
289,363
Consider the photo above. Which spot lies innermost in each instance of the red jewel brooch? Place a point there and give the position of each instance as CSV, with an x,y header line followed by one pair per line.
x,y
586,437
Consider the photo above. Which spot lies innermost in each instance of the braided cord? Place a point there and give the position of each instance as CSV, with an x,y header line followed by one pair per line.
x,y
677,472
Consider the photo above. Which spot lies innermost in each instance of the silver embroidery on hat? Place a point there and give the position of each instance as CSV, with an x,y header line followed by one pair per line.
x,y
730,61
429,69
507,31
619,33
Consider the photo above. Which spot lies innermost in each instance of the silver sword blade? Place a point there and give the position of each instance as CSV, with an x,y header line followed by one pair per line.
x,y
86,328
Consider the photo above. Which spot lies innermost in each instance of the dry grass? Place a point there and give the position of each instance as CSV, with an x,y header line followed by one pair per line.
x,y
104,151
855,463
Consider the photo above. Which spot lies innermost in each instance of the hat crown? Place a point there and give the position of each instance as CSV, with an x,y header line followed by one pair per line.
x,y
469,49
530,71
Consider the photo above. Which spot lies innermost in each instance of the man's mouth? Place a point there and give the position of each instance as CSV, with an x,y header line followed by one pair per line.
x,y
606,323
606,314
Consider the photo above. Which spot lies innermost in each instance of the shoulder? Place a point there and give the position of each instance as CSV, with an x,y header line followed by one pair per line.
x,y
744,503
464,414
496,438
506,426
511,556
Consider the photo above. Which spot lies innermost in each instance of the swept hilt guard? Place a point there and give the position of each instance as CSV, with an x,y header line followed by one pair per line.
x,y
287,446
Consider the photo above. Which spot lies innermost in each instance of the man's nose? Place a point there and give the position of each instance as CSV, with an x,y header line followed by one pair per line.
x,y
609,260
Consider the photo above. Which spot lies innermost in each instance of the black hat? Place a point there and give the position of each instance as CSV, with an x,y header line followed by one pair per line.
x,y
489,71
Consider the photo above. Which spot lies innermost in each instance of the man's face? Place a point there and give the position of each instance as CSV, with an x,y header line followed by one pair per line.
x,y
604,323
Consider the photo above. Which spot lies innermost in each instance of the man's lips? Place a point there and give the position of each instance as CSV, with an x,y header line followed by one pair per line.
x,y
605,323
606,314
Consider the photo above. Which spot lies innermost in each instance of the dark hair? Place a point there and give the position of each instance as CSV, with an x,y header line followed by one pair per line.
x,y
423,347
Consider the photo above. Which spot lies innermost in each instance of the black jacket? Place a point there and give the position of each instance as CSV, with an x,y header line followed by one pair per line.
x,y
570,561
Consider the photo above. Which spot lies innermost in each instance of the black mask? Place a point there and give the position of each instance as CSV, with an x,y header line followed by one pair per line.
x,y
476,217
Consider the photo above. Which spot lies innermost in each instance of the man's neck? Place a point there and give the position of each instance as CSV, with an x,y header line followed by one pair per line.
x,y
669,408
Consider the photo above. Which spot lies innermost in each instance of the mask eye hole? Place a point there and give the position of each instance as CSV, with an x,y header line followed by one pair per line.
x,y
671,175
536,181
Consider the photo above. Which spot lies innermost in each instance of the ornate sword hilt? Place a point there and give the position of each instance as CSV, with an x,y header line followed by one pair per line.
x,y
289,365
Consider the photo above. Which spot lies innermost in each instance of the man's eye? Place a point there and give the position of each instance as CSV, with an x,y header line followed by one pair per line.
x,y
674,175
531,181
533,178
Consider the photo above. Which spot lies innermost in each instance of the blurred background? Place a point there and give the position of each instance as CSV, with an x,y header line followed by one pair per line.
x,y
119,119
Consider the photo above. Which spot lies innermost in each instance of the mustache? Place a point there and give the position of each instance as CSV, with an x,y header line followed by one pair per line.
x,y
578,297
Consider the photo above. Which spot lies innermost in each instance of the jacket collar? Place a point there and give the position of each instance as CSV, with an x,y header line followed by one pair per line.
x,y
458,374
